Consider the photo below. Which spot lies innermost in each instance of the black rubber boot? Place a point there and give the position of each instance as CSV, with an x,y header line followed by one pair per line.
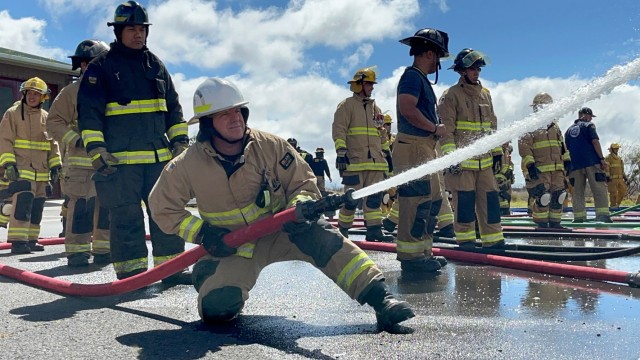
x,y
604,219
420,266
78,260
102,259
389,310
441,260
446,232
181,278
499,245
374,233
467,244
33,244
541,225
556,225
344,231
389,226
579,220
20,247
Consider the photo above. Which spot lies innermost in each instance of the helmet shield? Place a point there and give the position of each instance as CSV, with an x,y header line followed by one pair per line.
x,y
474,58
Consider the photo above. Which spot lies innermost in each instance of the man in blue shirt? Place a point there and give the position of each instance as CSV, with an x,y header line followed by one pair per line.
x,y
587,163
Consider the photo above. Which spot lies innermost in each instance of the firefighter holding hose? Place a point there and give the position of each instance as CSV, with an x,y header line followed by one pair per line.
x,y
238,176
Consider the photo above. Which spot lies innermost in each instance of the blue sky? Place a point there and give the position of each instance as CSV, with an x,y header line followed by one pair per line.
x,y
292,58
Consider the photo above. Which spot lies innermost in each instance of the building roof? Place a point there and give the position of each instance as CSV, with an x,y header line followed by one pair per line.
x,y
8,56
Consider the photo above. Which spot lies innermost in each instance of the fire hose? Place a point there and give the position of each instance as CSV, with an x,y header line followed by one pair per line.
x,y
309,210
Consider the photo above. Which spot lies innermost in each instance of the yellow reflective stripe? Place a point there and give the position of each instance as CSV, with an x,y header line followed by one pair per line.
x,y
580,214
32,175
101,245
386,146
466,235
497,150
89,136
77,248
70,138
7,158
17,233
340,144
4,220
491,238
177,130
189,228
448,147
566,156
157,260
555,216
550,167
32,145
245,215
246,250
477,164
34,231
136,107
602,211
410,247
345,218
546,143
143,156
81,161
55,161
528,159
368,166
360,130
473,126
355,267
302,197
202,108
373,215
445,217
130,265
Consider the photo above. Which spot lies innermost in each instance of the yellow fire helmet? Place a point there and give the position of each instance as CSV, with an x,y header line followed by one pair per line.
x,y
365,74
38,85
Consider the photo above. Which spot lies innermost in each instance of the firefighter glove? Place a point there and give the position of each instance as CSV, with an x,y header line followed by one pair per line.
x,y
103,161
497,163
178,147
534,173
454,169
79,144
567,166
55,173
11,172
211,239
342,160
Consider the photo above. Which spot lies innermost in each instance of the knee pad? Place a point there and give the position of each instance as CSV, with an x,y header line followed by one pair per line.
x,y
419,227
466,206
17,186
536,191
203,270
435,207
36,210
374,201
557,199
80,223
351,180
103,218
493,207
24,203
415,188
222,304
544,199
320,242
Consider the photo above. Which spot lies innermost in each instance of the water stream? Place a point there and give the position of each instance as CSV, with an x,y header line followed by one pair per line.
x,y
603,85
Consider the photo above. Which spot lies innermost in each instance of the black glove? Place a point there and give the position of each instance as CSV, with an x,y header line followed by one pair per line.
x,y
79,144
211,239
533,172
567,166
11,172
454,169
55,173
342,160
387,156
178,148
497,163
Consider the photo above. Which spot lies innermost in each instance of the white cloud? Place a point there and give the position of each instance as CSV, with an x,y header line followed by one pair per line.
x,y
269,42
26,35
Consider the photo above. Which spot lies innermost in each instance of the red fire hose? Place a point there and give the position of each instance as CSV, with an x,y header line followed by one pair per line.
x,y
234,239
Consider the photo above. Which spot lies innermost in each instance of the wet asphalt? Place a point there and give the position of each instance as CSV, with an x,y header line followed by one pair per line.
x,y
467,312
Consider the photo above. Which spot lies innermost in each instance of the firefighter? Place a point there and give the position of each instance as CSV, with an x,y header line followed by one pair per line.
x,y
360,157
304,153
617,182
85,217
240,161
131,124
30,157
419,128
587,164
504,179
467,112
320,168
544,157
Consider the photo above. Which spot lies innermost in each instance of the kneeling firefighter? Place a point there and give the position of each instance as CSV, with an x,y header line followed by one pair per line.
x,y
238,176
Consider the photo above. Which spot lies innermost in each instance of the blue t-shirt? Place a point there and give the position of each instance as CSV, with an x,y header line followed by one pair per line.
x,y
414,82
578,140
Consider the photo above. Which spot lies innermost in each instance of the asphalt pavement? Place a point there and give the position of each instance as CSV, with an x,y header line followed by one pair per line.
x,y
295,312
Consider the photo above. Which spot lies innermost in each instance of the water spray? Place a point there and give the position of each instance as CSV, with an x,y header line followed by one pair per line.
x,y
603,85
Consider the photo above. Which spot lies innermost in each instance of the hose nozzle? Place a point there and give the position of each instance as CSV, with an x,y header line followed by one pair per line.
x,y
312,210
634,280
